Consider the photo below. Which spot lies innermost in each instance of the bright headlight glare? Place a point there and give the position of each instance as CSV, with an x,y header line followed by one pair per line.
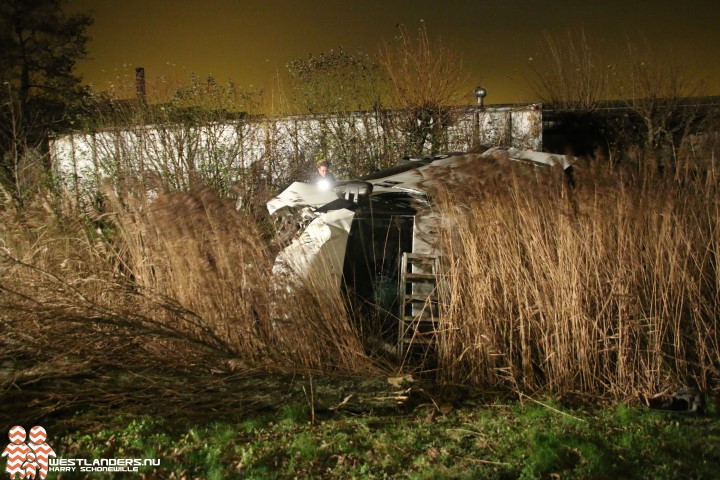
x,y
324,185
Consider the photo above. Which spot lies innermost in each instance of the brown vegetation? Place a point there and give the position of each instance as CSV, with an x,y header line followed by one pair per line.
x,y
609,288
174,283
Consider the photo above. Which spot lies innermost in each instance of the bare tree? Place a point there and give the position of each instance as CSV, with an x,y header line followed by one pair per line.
x,y
334,81
425,81
655,94
341,92
569,75
661,93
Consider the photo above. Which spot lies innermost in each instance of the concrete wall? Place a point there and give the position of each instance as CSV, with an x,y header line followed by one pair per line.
x,y
278,149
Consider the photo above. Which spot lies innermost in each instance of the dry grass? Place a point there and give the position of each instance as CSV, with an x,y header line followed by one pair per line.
x,y
179,282
612,290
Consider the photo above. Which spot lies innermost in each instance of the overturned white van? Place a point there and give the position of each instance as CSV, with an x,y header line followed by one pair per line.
x,y
377,238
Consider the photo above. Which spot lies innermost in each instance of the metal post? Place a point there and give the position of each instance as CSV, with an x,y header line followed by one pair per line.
x,y
480,93
140,85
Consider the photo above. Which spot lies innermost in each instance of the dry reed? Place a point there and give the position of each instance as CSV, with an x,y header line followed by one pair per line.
x,y
174,281
611,288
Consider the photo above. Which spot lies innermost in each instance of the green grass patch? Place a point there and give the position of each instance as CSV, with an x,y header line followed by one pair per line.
x,y
505,441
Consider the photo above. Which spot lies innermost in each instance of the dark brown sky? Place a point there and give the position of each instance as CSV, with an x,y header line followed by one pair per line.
x,y
249,41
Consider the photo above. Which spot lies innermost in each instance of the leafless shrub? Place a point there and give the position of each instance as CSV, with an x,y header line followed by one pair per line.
x,y
569,75
22,161
664,95
642,99
425,80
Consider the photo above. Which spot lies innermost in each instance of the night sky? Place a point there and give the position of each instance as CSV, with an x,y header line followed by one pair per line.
x,y
250,41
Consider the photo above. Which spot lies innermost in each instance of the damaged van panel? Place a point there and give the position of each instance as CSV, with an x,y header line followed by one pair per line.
x,y
319,251
358,235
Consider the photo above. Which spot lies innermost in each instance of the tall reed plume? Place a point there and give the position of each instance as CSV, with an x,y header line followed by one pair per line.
x,y
608,288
